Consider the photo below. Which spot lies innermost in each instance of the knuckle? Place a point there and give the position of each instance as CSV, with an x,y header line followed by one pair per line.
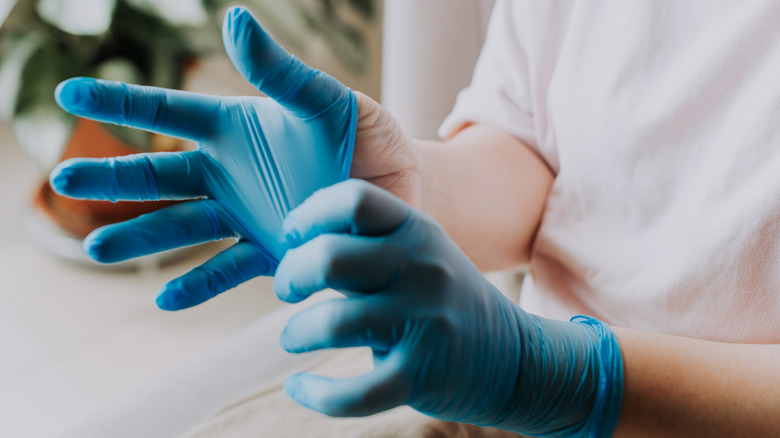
x,y
336,321
430,224
333,409
126,104
212,284
156,104
212,217
435,273
358,191
331,259
442,323
361,200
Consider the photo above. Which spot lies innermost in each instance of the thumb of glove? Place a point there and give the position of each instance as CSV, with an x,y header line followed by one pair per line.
x,y
271,69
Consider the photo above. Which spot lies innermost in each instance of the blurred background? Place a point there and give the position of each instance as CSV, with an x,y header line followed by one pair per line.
x,y
74,335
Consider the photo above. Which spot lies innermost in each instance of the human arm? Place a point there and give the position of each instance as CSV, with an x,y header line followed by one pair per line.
x,y
488,190
673,386
683,387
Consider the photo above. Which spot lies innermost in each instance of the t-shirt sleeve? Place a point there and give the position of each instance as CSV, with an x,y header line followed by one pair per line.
x,y
499,94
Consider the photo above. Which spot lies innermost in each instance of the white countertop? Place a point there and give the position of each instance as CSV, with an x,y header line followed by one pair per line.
x,y
74,338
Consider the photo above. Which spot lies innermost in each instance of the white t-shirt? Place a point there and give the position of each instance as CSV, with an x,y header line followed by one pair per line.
x,y
661,122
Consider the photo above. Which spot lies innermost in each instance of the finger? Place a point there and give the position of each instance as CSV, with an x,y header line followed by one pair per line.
x,y
170,112
237,264
378,390
283,77
347,263
353,206
340,323
172,227
139,177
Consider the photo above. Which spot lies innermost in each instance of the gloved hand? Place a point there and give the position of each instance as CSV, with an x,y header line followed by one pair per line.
x,y
257,159
444,340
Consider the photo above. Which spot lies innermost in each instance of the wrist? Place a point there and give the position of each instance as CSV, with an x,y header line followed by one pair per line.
x,y
433,161
609,397
575,372
424,184
383,154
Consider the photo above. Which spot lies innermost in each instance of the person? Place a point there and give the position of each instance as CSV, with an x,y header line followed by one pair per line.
x,y
627,150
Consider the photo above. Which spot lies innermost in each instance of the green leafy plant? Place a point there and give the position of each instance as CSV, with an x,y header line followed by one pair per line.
x,y
43,42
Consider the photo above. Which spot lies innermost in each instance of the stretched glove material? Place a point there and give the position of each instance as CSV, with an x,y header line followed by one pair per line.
x,y
444,340
257,158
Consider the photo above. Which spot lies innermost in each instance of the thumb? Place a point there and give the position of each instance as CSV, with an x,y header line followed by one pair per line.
x,y
275,72
378,390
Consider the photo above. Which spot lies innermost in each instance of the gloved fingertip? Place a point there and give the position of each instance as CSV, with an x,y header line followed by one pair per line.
x,y
93,247
285,292
58,92
291,239
185,292
284,342
236,11
291,234
74,94
171,299
293,387
288,343
233,20
59,178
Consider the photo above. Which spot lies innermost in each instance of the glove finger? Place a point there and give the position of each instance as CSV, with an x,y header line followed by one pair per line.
x,y
381,389
303,90
139,177
172,227
170,112
341,262
352,206
233,266
341,323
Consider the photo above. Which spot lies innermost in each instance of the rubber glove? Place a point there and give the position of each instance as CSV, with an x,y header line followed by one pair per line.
x,y
257,158
444,340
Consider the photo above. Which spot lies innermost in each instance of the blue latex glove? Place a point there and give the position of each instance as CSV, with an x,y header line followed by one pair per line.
x,y
257,159
444,340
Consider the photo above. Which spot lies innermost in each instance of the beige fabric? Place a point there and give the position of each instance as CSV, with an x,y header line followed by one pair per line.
x,y
268,412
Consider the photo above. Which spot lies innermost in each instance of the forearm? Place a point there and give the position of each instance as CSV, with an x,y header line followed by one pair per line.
x,y
686,387
488,190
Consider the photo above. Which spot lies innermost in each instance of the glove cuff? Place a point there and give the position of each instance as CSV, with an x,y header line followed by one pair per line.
x,y
609,398
349,143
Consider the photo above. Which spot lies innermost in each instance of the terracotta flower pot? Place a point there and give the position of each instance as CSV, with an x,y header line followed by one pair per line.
x,y
79,217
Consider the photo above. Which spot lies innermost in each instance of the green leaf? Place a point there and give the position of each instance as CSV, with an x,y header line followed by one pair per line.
x,y
119,69
175,12
46,68
41,128
366,8
16,52
78,17
161,51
